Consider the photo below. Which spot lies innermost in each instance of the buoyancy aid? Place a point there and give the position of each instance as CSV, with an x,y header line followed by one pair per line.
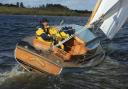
x,y
42,36
60,36
63,35
48,33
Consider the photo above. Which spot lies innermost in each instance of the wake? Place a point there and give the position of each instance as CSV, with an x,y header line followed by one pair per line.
x,y
9,74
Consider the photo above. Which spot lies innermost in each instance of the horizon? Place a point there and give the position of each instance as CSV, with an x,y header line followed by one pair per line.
x,y
74,5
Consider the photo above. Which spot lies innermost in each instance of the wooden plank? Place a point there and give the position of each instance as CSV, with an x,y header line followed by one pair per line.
x,y
37,61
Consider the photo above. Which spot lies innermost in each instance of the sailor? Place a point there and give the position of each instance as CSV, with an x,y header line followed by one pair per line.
x,y
42,32
50,33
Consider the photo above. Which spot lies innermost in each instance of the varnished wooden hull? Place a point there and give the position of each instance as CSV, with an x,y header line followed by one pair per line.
x,y
45,61
38,62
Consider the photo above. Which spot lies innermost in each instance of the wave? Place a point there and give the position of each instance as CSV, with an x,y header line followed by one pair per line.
x,y
14,72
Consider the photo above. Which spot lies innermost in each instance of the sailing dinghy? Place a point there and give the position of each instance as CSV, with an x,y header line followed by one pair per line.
x,y
83,47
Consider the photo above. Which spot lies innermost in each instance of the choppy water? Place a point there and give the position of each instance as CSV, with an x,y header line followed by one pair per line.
x,y
111,74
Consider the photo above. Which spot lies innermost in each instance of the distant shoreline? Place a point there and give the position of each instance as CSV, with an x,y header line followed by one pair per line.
x,y
4,10
40,15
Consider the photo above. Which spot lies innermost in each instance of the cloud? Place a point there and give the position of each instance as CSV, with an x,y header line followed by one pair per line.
x,y
73,4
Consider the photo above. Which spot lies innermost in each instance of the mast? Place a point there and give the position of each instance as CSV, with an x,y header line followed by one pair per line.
x,y
94,12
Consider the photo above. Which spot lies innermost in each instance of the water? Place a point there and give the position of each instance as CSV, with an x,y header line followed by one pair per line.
x,y
111,74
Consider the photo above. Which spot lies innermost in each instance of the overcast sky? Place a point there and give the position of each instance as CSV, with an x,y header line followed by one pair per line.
x,y
73,4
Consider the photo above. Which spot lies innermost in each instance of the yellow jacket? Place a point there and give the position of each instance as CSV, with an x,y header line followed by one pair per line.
x,y
39,33
52,31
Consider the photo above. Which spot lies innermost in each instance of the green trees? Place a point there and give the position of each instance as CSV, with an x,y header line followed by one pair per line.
x,y
20,4
17,4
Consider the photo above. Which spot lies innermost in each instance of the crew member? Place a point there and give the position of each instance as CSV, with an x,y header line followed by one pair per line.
x,y
50,33
42,32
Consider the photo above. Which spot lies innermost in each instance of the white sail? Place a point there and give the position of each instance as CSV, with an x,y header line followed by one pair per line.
x,y
114,14
102,8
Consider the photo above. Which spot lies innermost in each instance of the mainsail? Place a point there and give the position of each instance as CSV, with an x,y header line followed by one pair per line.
x,y
112,14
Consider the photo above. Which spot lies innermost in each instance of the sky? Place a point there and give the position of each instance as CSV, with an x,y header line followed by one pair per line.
x,y
72,4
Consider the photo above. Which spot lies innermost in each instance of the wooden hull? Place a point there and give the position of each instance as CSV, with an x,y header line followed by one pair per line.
x,y
37,62
48,62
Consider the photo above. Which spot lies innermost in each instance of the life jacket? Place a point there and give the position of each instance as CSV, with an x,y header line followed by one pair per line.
x,y
60,37
63,35
49,31
39,32
52,31
58,40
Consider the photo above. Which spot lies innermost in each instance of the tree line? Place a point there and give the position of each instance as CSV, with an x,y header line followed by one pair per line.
x,y
59,6
18,4
47,6
53,6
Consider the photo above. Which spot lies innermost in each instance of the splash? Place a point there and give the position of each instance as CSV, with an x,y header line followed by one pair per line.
x,y
9,74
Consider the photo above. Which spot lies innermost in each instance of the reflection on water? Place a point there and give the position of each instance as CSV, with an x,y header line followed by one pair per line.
x,y
111,74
